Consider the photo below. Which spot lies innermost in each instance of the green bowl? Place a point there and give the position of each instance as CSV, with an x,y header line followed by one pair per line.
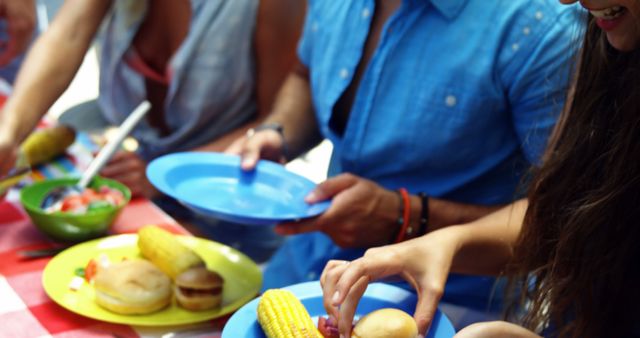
x,y
69,227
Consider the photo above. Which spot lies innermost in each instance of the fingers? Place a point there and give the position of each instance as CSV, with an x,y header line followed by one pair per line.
x,y
8,162
349,306
376,264
236,147
425,310
328,280
265,144
122,164
331,187
294,228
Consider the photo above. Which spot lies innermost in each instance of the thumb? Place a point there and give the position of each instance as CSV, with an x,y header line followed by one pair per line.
x,y
331,187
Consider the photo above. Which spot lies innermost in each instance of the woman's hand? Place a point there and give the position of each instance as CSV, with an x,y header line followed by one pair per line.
x,y
129,169
362,214
264,144
424,262
8,155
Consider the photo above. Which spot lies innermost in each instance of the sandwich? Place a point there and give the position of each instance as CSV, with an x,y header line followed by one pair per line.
x,y
198,289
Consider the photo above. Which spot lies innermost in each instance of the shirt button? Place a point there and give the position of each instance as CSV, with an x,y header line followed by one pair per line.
x,y
311,275
344,73
539,15
515,47
314,27
365,13
451,101
526,31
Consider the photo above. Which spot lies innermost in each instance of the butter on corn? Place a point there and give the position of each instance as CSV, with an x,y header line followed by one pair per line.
x,y
166,252
282,315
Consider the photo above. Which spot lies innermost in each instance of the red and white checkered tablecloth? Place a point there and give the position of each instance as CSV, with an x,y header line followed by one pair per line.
x,y
25,309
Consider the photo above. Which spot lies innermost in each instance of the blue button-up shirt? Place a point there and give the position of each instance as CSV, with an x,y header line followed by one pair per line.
x,y
457,101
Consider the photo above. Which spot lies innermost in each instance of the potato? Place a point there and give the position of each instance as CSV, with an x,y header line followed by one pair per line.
x,y
45,144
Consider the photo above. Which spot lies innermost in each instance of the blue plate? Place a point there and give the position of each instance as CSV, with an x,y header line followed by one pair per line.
x,y
244,322
213,184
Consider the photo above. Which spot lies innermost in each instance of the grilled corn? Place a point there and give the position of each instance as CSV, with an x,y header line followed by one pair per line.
x,y
281,315
45,144
164,250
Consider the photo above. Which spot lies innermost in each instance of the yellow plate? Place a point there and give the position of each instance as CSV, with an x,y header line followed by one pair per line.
x,y
242,276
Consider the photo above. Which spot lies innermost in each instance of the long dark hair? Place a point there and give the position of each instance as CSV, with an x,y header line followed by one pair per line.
x,y
578,257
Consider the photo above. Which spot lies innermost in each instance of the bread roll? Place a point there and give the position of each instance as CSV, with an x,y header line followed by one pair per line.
x,y
132,287
198,289
386,323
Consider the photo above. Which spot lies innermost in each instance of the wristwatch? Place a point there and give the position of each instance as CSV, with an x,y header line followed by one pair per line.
x,y
271,126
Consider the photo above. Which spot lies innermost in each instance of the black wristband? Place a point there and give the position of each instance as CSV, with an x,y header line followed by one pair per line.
x,y
424,213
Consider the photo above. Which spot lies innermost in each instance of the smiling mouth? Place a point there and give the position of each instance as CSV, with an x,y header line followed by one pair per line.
x,y
609,13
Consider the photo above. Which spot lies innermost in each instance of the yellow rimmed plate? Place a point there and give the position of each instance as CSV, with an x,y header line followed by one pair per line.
x,y
242,276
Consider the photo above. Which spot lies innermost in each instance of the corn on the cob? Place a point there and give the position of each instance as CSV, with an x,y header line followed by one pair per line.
x,y
281,315
165,251
44,144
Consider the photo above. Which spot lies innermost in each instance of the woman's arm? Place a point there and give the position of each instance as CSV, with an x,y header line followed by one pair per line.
x,y
482,247
50,66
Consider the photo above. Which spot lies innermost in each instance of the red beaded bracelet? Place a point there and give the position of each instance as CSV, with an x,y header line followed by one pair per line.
x,y
405,213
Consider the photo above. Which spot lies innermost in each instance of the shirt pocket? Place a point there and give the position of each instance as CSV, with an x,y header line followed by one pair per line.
x,y
457,126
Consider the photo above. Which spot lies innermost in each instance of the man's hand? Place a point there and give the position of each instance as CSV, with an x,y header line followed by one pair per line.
x,y
20,17
255,145
129,169
362,214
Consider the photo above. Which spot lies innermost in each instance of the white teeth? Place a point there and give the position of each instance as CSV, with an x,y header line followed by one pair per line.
x,y
609,13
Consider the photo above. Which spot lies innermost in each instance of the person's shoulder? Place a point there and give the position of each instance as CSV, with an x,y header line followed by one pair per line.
x,y
536,19
542,11
550,7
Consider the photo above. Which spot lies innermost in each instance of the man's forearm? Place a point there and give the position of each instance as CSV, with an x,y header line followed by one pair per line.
x,y
293,109
441,213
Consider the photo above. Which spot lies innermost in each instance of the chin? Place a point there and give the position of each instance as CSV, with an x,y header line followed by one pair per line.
x,y
623,44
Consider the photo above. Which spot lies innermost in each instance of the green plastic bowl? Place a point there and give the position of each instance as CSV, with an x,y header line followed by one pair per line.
x,y
69,227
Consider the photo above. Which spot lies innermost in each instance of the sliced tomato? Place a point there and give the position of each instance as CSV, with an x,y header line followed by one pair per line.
x,y
73,203
90,270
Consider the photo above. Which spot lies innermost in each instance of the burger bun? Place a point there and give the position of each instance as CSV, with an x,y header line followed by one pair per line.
x,y
132,287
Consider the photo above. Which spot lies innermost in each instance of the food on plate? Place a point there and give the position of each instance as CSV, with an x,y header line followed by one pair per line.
x,y
282,315
198,289
132,287
164,250
328,327
45,144
386,322
77,202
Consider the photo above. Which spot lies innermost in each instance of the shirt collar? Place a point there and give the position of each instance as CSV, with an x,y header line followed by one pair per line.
x,y
449,8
